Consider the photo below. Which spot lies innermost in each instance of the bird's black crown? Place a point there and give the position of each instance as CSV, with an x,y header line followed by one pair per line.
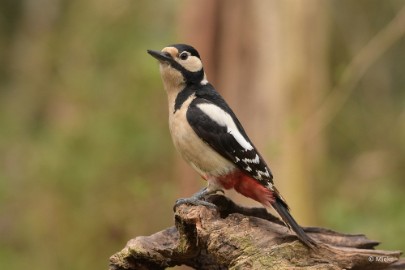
x,y
184,47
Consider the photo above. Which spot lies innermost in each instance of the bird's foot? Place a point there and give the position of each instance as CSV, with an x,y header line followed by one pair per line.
x,y
198,198
193,201
205,192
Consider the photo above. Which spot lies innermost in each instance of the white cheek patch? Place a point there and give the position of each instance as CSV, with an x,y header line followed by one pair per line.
x,y
192,63
222,118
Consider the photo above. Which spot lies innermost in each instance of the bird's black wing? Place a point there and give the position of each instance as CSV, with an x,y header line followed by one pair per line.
x,y
215,123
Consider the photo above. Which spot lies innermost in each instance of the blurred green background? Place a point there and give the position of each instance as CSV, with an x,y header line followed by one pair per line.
x,y
86,160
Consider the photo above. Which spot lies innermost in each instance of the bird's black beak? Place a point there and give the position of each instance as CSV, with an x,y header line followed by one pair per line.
x,y
161,56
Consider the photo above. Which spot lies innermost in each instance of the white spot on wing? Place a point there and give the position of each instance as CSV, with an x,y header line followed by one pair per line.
x,y
222,118
270,185
259,174
265,173
255,160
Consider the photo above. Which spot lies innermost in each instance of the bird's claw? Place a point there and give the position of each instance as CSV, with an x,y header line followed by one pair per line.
x,y
198,198
193,201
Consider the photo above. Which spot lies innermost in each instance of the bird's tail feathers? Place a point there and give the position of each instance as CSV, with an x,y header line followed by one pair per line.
x,y
283,210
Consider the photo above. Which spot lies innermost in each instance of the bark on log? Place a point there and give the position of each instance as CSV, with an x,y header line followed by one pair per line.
x,y
235,237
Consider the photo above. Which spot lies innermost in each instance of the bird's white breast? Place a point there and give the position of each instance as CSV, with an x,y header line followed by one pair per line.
x,y
205,160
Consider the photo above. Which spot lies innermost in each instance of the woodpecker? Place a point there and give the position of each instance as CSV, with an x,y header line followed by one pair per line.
x,y
210,137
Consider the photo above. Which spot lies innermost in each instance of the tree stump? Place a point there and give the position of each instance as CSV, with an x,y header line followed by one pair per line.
x,y
235,237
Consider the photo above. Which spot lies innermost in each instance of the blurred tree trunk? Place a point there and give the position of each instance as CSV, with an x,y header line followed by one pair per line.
x,y
268,58
29,62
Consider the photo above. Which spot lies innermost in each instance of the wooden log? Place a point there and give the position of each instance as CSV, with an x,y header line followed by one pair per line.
x,y
235,237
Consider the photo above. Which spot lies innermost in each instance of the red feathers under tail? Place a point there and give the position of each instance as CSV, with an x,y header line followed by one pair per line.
x,y
282,209
250,187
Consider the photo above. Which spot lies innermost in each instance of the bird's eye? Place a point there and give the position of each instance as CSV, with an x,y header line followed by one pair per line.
x,y
183,56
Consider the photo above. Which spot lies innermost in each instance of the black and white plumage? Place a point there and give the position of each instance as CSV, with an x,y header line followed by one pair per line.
x,y
216,124
209,136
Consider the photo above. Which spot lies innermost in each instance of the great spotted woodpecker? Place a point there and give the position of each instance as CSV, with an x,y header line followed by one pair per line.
x,y
210,137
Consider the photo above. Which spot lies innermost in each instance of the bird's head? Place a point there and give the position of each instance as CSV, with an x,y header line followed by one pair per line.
x,y
180,64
